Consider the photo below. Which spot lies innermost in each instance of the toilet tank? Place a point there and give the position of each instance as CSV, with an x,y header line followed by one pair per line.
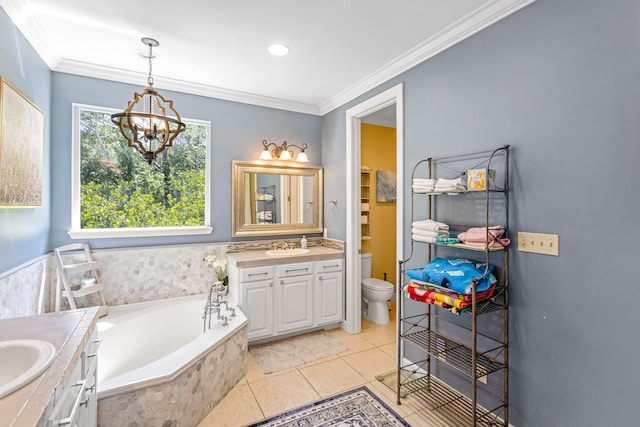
x,y
365,265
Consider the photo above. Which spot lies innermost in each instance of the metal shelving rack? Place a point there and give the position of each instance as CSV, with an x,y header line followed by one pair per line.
x,y
466,361
265,205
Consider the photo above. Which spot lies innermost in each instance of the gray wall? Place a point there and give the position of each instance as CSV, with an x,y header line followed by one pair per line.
x,y
24,231
558,81
237,134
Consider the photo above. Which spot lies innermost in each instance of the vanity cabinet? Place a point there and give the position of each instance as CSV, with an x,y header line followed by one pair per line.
x,y
78,402
289,297
328,287
294,297
255,299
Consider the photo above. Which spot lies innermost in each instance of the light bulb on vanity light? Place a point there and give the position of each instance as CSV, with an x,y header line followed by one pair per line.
x,y
302,157
266,155
285,155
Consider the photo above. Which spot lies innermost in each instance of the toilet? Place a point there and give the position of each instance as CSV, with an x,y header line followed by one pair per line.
x,y
376,293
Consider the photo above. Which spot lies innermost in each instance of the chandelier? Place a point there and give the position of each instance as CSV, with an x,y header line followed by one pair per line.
x,y
282,152
145,123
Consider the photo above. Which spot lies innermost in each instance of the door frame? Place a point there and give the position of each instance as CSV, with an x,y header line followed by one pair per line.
x,y
353,246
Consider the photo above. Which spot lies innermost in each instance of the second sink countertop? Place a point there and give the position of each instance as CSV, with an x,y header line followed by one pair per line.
x,y
67,331
260,258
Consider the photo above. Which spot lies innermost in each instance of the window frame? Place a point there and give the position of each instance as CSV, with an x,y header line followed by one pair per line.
x,y
76,232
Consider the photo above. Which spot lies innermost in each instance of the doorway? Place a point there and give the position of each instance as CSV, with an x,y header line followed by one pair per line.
x,y
393,96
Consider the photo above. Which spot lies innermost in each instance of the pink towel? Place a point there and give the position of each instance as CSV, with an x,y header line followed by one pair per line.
x,y
477,236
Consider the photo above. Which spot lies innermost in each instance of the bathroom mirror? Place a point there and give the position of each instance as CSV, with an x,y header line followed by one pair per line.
x,y
271,199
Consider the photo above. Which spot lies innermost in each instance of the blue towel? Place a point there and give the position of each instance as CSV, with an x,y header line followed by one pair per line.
x,y
456,274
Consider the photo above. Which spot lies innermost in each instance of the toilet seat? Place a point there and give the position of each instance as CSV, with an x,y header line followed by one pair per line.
x,y
374,284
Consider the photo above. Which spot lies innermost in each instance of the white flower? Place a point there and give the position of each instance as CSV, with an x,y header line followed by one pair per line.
x,y
218,261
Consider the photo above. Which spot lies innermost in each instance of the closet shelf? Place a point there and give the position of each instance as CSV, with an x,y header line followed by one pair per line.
x,y
455,193
453,405
465,246
454,354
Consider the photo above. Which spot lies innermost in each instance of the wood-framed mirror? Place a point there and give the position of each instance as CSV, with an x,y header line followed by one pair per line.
x,y
270,199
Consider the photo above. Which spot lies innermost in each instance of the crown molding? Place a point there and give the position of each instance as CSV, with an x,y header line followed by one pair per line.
x,y
455,33
136,78
463,28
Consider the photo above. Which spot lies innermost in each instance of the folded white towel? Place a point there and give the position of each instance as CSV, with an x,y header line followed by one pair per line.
x,y
418,189
430,225
450,185
419,238
456,181
425,233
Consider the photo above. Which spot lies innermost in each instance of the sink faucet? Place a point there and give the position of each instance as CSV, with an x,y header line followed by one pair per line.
x,y
282,246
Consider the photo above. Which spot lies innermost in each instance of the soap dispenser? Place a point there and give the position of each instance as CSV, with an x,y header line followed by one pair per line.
x,y
303,242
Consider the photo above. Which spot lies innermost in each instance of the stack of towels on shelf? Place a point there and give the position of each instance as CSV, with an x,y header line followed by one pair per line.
x,y
427,185
423,185
450,185
454,302
449,283
428,231
485,236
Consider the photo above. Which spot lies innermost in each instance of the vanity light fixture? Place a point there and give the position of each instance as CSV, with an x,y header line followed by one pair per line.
x,y
283,152
148,128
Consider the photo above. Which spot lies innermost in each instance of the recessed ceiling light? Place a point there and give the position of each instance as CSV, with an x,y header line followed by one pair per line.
x,y
278,50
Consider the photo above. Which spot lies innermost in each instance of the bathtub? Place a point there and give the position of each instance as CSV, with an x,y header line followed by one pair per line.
x,y
155,362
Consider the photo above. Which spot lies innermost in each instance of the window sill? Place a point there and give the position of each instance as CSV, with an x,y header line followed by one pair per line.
x,y
107,233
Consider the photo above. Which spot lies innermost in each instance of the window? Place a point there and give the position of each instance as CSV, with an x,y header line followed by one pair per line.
x,y
116,193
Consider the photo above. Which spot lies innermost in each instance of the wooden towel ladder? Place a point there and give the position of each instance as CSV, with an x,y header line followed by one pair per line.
x,y
78,275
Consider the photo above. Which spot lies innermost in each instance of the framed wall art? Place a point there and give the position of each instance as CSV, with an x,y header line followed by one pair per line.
x,y
385,186
21,149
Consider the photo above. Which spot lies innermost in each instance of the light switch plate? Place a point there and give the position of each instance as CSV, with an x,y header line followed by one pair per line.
x,y
546,244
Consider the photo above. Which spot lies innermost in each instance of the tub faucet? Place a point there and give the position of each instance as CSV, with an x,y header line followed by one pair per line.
x,y
214,304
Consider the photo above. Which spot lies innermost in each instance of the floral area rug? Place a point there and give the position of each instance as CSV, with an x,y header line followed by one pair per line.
x,y
285,354
355,408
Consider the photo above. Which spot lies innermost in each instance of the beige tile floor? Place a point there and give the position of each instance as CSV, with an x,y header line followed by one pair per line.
x,y
372,352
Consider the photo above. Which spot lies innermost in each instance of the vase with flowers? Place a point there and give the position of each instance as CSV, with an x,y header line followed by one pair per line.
x,y
218,262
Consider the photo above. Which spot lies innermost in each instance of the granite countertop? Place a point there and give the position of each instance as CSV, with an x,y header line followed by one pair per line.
x,y
260,258
69,332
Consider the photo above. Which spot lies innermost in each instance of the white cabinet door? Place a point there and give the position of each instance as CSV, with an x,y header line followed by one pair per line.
x,y
257,305
295,303
328,298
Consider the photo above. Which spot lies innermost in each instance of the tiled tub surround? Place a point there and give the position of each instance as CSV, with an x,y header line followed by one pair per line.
x,y
188,397
130,275
152,342
21,288
69,332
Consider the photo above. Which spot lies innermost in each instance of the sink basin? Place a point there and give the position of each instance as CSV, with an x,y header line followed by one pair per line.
x,y
287,252
23,361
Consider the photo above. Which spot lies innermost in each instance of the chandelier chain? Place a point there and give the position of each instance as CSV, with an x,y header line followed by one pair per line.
x,y
150,78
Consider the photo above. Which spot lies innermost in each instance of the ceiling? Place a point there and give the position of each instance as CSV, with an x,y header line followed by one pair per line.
x,y
339,49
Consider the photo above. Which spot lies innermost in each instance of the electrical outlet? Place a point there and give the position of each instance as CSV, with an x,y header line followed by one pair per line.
x,y
538,243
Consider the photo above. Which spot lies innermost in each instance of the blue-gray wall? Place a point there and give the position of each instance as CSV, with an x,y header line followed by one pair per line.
x,y
24,232
237,131
558,81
